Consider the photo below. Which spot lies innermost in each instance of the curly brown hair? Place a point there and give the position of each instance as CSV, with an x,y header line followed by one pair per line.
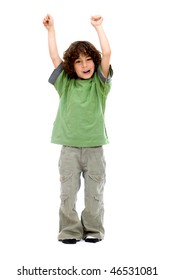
x,y
73,53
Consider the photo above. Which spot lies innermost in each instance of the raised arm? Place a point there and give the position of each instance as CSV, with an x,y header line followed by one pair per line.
x,y
52,45
96,21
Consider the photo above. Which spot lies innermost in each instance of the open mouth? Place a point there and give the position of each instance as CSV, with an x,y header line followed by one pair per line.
x,y
86,72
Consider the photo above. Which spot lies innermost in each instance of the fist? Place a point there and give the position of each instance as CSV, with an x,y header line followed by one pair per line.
x,y
48,21
96,20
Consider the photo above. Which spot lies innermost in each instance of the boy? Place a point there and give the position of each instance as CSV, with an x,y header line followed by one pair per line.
x,y
82,80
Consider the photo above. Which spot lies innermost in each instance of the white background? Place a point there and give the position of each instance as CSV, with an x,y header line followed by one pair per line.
x,y
140,122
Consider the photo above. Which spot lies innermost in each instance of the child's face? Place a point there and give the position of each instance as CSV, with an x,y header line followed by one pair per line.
x,y
84,67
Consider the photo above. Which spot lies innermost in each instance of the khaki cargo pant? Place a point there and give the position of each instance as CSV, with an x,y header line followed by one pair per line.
x,y
90,163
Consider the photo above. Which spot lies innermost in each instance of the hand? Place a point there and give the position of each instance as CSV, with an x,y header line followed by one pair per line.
x,y
48,22
96,20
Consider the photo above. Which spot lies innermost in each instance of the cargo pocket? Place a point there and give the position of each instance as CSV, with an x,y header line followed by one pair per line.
x,y
97,178
66,185
96,183
65,177
64,198
97,204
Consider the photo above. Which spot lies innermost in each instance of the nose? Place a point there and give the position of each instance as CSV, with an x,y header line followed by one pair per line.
x,y
84,63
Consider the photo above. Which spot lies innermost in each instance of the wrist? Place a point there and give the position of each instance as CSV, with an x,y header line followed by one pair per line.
x,y
51,28
98,27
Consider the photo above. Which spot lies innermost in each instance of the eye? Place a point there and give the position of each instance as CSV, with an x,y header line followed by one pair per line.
x,y
89,58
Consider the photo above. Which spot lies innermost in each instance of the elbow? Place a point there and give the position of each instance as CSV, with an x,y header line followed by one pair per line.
x,y
107,53
56,61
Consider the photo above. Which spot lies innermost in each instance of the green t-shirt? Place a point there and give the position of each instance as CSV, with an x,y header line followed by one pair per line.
x,y
80,117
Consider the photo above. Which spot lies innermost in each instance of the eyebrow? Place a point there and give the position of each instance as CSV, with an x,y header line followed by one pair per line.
x,y
87,56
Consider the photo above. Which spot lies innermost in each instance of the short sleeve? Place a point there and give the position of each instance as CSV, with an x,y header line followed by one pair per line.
x,y
59,79
100,74
104,83
55,74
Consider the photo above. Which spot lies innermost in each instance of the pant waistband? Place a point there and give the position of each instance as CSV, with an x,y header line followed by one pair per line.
x,y
81,147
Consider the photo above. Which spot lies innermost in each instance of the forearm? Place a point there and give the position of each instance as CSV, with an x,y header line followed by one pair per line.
x,y
104,43
52,45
